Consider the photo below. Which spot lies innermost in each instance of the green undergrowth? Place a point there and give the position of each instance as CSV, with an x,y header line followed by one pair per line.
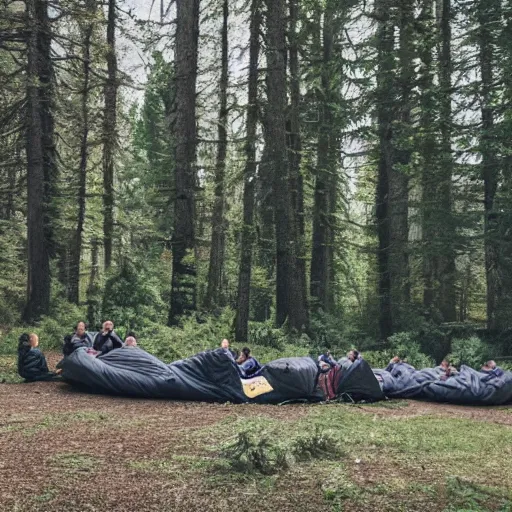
x,y
355,459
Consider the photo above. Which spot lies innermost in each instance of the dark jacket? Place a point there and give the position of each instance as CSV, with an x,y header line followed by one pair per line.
x,y
71,343
106,342
249,367
32,365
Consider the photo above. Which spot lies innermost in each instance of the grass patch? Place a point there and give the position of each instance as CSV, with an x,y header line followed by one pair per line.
x,y
52,421
75,462
9,370
47,495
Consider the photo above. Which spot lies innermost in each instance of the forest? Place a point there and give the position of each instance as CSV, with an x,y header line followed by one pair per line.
x,y
336,172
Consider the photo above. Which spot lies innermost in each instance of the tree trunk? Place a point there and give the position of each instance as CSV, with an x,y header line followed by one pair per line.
x,y
445,271
109,134
294,151
266,253
323,235
76,249
183,293
289,298
488,15
399,176
93,306
40,159
385,115
429,157
244,277
216,269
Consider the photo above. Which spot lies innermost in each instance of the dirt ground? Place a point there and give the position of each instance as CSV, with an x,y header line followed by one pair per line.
x,y
65,450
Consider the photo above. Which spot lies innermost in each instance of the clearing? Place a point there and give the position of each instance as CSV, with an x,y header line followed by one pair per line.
x,y
64,450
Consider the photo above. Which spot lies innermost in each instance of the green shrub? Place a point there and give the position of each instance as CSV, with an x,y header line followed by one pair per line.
x,y
314,445
404,345
250,454
471,352
266,335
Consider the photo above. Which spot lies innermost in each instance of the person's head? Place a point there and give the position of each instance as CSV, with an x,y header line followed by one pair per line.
x,y
34,340
130,341
353,355
445,364
80,328
108,325
246,352
225,344
24,342
68,338
491,364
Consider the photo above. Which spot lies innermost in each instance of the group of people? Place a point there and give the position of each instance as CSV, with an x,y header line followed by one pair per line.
x,y
247,365
446,370
104,341
32,365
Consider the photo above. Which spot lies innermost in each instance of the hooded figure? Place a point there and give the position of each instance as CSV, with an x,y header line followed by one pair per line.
x,y
32,364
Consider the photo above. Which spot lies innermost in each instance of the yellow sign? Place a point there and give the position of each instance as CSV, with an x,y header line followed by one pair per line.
x,y
256,386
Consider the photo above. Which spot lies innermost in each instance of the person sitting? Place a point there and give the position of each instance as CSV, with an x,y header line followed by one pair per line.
x,y
248,364
107,339
326,362
32,364
81,338
224,345
352,356
130,341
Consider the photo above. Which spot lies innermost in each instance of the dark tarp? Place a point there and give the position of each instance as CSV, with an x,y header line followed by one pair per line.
x,y
210,376
359,383
293,378
468,387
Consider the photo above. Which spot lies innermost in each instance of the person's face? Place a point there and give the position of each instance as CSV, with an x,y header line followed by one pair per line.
x,y
108,326
351,355
131,342
34,340
80,329
225,344
444,364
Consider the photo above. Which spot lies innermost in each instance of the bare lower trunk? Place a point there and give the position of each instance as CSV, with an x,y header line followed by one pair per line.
x,y
289,297
325,182
109,134
39,154
294,152
445,271
215,272
487,14
244,278
183,293
385,79
76,249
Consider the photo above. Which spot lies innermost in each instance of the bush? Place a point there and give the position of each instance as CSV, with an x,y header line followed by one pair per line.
x,y
248,454
266,335
471,352
316,445
405,346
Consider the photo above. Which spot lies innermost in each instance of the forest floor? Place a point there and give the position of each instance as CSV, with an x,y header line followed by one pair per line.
x,y
65,450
